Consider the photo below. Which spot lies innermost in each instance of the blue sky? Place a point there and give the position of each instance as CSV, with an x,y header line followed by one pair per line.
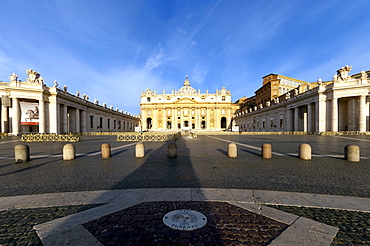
x,y
112,50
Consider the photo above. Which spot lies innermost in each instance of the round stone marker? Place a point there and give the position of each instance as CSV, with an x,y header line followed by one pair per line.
x,y
184,220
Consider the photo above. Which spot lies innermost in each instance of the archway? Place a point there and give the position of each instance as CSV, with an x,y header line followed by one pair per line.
x,y
223,122
203,124
149,123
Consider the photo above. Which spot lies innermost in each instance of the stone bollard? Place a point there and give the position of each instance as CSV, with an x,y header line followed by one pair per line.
x,y
105,151
22,153
266,151
172,150
232,150
304,152
139,150
69,152
352,153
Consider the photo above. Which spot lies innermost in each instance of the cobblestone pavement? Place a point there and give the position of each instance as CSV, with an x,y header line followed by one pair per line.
x,y
227,225
354,227
16,224
201,162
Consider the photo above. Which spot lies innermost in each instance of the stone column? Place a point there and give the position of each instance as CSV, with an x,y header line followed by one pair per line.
x,y
84,121
77,128
144,125
182,117
41,116
175,116
4,118
334,114
309,117
197,118
362,114
164,126
296,119
15,113
320,114
352,115
64,118
287,125
217,119
154,119
367,112
305,119
54,116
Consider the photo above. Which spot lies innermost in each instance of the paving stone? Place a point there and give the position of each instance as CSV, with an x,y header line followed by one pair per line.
x,y
348,233
201,165
197,158
14,233
208,235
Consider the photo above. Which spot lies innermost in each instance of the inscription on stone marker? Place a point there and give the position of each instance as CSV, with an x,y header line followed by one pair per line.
x,y
184,220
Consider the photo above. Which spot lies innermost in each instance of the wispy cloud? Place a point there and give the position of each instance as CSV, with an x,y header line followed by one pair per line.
x,y
199,74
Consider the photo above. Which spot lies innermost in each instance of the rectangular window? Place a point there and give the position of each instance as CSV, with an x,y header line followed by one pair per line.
x,y
108,123
148,99
223,98
281,123
101,122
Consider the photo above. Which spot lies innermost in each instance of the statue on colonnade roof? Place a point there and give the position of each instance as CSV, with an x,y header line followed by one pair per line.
x,y
33,76
342,73
13,78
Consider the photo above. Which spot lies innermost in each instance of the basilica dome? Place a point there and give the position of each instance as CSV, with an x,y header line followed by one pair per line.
x,y
187,89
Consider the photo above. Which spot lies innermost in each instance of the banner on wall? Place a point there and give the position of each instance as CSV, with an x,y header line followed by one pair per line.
x,y
29,113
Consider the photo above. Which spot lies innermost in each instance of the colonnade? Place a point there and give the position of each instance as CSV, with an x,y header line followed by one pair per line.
x,y
334,114
60,117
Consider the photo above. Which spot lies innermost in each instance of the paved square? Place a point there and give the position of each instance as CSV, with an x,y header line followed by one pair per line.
x,y
201,163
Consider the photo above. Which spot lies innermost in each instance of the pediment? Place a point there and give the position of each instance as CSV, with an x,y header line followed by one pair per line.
x,y
186,100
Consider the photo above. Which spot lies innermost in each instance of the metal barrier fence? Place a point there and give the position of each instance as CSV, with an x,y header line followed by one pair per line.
x,y
104,133
50,137
281,133
148,137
